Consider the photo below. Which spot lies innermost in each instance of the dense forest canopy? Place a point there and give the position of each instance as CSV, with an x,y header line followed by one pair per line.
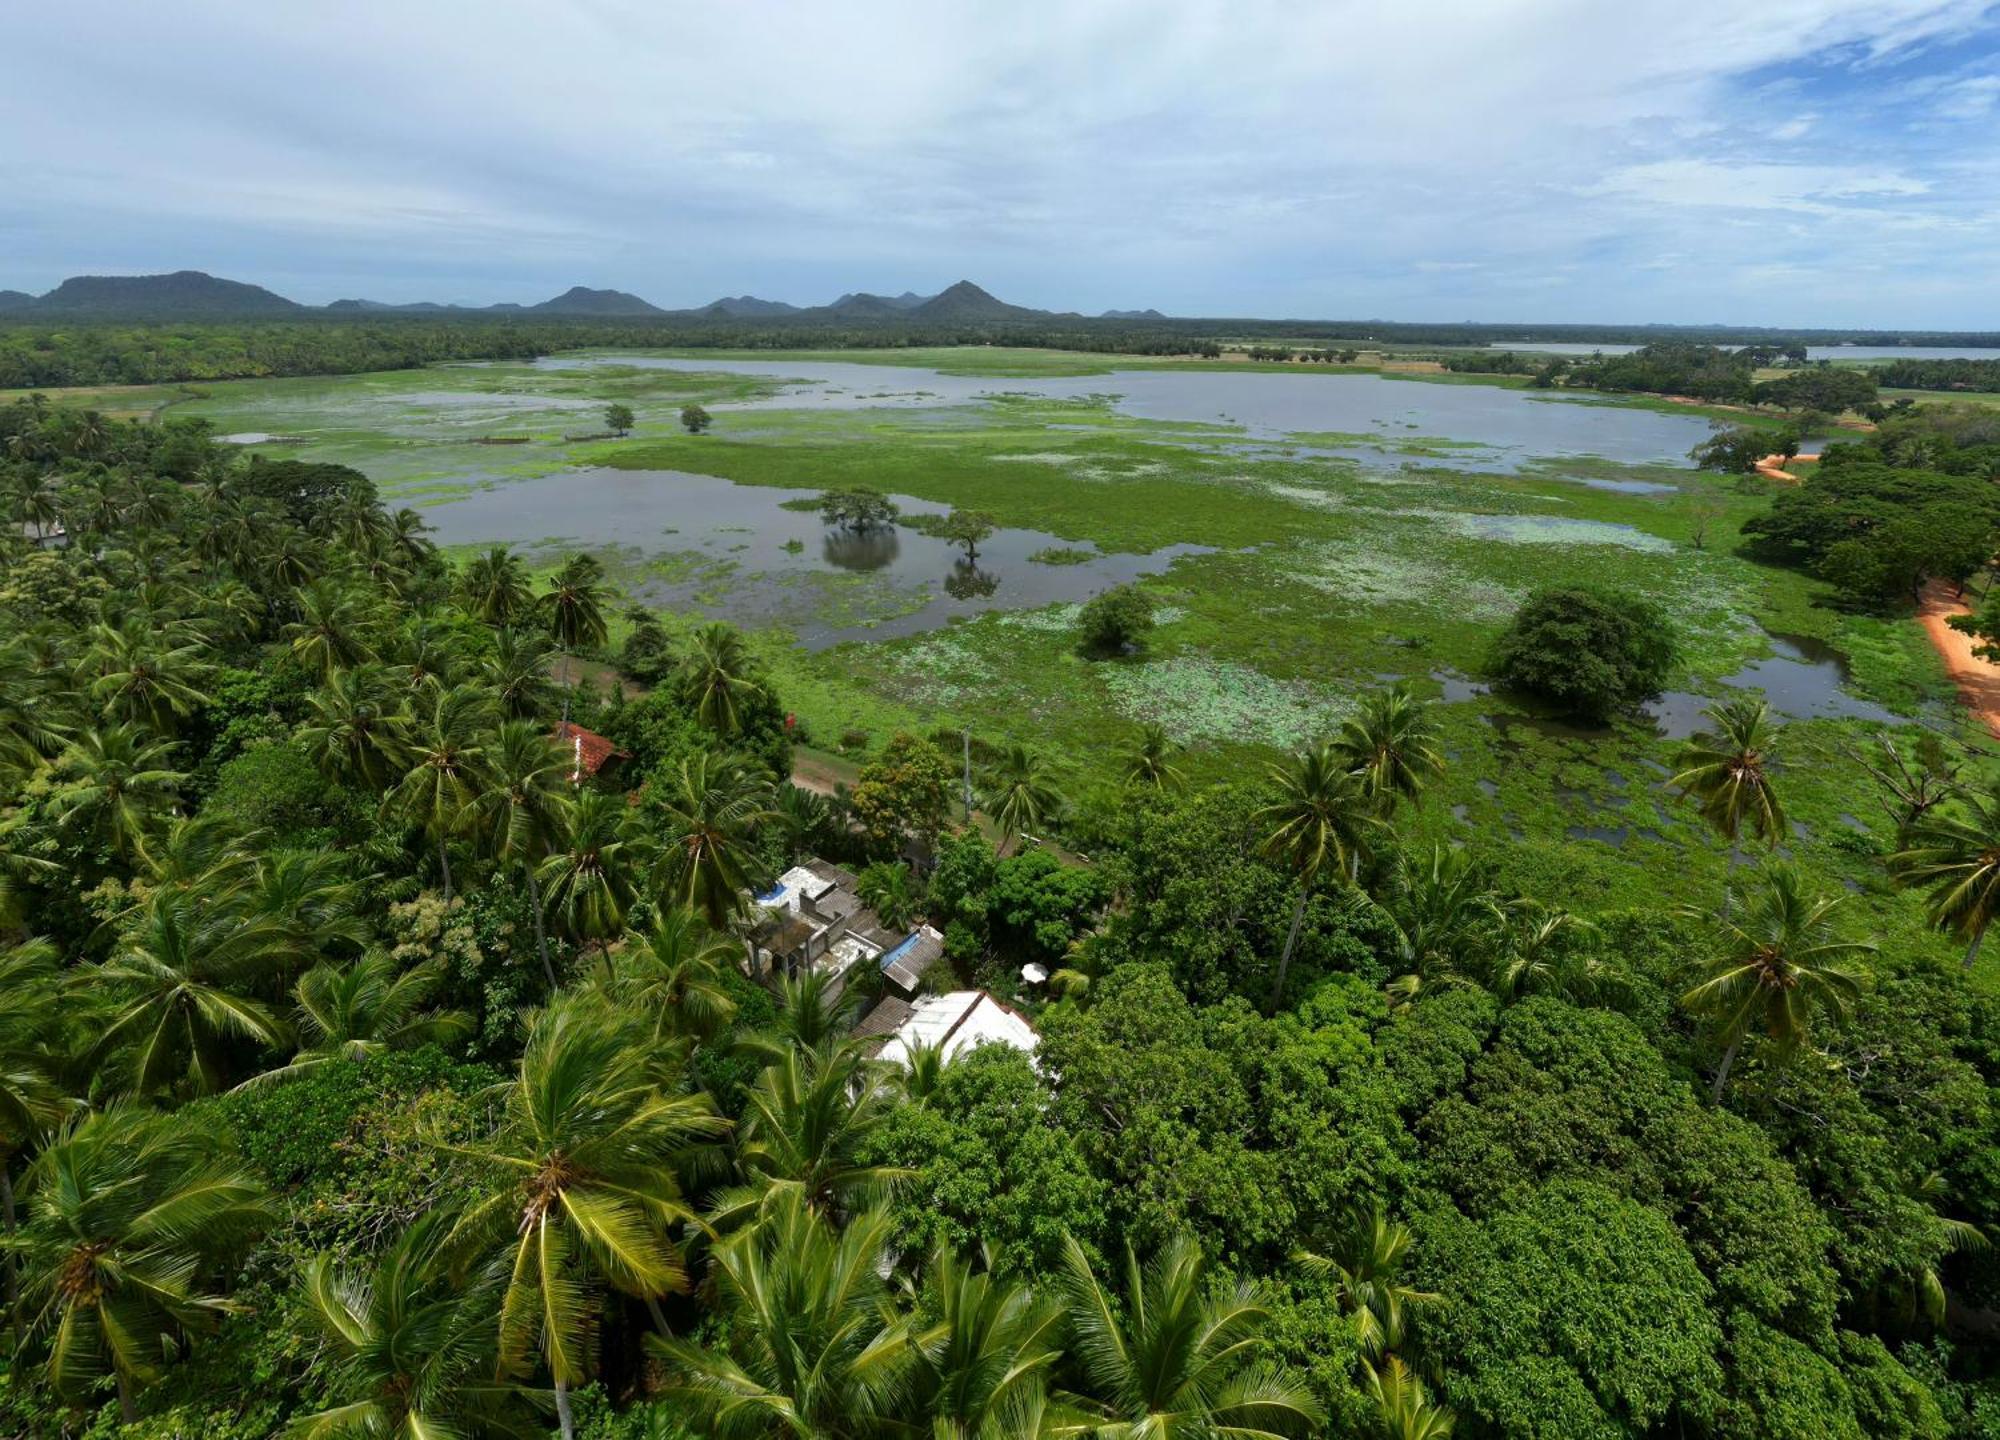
x,y
106,351
367,1068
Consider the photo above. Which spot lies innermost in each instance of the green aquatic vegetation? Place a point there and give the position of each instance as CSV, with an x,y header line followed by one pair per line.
x,y
1062,555
1198,698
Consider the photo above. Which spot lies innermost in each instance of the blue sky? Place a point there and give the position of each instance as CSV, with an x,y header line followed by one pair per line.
x,y
1798,162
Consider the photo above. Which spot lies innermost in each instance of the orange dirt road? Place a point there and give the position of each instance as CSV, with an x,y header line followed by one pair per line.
x,y
1978,680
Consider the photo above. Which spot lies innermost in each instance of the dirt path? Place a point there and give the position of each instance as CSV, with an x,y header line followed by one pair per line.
x,y
1772,467
1978,680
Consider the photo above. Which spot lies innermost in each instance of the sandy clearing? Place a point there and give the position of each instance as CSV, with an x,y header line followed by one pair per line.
x,y
1978,680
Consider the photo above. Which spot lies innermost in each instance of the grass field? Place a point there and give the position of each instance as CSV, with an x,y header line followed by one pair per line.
x,y
1329,576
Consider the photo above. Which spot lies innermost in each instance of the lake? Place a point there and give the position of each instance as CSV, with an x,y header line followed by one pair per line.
x,y
777,562
1508,427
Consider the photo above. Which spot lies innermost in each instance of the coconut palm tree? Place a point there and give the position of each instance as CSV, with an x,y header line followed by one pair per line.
x,y
586,1190
707,825
407,535
311,895
35,500
357,729
1175,1354
494,588
430,653
181,988
813,1348
1319,820
806,1125
573,607
115,786
1361,1258
1392,745
517,672
335,629
1148,763
128,1216
983,1364
1549,950
1774,969
363,1009
887,888
1449,919
444,755
717,677
674,973
1406,1409
31,1098
1727,771
1019,795
520,811
412,1355
137,680
1954,853
591,873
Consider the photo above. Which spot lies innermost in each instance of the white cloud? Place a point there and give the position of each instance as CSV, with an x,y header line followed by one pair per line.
x,y
1254,155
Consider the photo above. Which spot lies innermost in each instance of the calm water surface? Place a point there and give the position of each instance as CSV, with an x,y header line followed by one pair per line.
x,y
1512,425
776,553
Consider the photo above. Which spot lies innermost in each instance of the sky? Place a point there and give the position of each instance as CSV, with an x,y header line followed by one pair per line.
x,y
1789,162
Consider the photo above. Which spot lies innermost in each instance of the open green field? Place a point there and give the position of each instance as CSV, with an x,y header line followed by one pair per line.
x,y
1329,575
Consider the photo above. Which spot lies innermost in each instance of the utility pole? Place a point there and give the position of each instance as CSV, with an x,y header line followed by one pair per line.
x,y
966,736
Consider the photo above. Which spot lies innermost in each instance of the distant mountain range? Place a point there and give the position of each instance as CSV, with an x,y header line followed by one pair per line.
x,y
192,295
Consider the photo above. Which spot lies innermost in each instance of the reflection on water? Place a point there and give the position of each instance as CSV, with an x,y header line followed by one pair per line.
x,y
875,548
968,582
1516,425
781,557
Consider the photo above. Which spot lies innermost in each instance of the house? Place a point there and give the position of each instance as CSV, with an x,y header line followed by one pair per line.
x,y
590,753
956,1023
813,918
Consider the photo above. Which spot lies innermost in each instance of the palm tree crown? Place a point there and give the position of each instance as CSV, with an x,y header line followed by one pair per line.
x,y
1955,854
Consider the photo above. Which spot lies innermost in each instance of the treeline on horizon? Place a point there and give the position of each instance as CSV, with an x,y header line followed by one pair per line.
x,y
134,352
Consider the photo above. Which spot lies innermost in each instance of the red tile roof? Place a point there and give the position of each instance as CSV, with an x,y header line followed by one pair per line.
x,y
588,750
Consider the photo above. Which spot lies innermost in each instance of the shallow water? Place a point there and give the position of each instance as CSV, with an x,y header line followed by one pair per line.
x,y
1516,426
705,522
1805,680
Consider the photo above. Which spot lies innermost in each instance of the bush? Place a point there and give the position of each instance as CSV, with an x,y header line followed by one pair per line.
x,y
1592,653
1116,622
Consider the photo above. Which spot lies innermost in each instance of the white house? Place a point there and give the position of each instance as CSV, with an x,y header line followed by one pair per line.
x,y
959,1021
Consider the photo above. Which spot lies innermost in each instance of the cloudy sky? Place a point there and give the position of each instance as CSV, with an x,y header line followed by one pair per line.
x,y
1802,162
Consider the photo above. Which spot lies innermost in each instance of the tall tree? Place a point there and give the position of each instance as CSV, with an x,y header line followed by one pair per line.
x,y
494,587
587,1189
115,786
520,812
1727,771
1019,793
1148,762
412,1354
182,986
354,1011
335,628
128,1217
1774,969
1176,1354
1392,745
1320,819
573,607
708,825
814,1349
1363,1258
593,867
444,756
357,728
718,677
1955,855
31,1098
